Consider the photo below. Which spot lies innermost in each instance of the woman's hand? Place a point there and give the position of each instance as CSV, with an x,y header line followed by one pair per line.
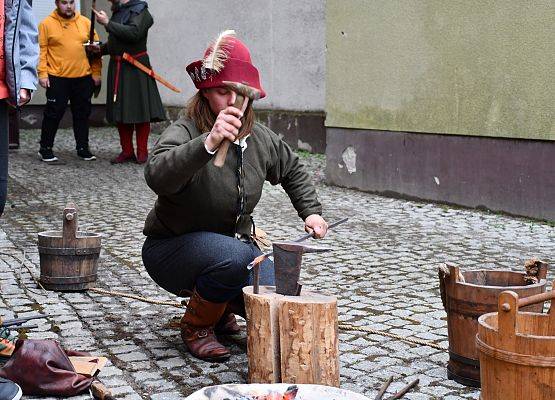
x,y
226,127
316,225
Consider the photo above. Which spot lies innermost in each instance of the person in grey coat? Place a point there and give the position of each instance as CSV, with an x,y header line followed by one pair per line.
x,y
18,74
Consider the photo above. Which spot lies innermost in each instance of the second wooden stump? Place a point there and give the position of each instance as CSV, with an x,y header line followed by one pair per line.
x,y
292,339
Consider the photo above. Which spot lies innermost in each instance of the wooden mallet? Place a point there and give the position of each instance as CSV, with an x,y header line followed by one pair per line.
x,y
242,94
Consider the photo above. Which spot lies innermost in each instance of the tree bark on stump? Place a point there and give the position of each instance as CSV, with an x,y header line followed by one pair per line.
x,y
292,339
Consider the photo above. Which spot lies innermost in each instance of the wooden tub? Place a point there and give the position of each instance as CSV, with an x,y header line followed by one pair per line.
x,y
468,295
68,258
517,350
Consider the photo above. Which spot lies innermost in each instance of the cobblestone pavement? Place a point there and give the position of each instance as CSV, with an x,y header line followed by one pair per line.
x,y
383,270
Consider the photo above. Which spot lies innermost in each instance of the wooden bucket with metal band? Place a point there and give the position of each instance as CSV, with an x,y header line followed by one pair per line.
x,y
68,258
468,295
517,350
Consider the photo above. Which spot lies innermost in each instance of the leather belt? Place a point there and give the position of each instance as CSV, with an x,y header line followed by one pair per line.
x,y
118,59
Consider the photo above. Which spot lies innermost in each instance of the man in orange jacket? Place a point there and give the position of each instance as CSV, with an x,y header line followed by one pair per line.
x,y
67,75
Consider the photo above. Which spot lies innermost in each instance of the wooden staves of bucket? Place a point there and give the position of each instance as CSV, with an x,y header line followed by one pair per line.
x,y
466,296
68,258
517,350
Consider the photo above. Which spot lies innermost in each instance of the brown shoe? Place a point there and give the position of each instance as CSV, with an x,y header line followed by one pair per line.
x,y
197,329
227,325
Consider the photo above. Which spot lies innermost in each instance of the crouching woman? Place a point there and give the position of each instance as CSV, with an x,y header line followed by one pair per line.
x,y
199,231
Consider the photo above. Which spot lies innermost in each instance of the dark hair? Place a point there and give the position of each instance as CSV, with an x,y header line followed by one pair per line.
x,y
198,109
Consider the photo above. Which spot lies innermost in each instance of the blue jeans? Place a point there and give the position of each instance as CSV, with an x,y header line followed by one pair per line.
x,y
213,264
4,132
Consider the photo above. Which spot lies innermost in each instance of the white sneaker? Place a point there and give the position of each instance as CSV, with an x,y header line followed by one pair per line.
x,y
9,390
47,155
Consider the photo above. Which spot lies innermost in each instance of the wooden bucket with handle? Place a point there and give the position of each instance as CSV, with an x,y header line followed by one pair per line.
x,y
468,295
68,258
517,350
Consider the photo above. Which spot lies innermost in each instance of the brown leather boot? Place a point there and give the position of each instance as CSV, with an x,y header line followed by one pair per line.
x,y
227,325
197,329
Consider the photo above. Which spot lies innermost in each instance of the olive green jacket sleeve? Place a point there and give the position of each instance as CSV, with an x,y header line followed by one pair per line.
x,y
175,158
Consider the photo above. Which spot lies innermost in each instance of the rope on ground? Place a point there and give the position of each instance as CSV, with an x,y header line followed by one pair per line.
x,y
23,264
412,340
140,298
343,326
98,290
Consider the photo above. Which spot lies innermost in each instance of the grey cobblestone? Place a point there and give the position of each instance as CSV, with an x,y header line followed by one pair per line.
x,y
383,270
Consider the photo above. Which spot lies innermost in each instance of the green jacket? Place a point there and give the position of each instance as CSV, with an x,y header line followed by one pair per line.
x,y
194,195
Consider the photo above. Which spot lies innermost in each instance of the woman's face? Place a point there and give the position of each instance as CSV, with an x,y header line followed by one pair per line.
x,y
219,98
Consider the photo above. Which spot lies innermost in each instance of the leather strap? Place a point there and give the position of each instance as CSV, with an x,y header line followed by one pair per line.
x,y
118,59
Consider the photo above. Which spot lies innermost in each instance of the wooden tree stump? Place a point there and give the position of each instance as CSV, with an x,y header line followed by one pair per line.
x,y
292,339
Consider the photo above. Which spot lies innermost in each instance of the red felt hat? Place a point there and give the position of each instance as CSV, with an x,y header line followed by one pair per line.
x,y
237,67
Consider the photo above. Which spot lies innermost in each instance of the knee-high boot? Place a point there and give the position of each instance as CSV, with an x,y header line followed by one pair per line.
x,y
197,329
143,130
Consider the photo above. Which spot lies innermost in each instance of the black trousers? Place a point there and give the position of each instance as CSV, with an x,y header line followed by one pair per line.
x,y
78,91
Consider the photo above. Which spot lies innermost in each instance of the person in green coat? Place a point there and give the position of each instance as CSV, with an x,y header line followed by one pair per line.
x,y
200,231
133,100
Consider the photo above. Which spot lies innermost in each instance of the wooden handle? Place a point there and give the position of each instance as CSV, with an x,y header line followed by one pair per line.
x,y
240,102
537,298
509,304
219,161
69,228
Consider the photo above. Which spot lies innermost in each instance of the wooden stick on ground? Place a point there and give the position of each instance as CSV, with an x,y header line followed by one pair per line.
x,y
384,388
404,390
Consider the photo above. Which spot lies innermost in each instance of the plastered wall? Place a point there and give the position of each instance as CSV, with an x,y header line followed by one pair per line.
x,y
286,39
466,67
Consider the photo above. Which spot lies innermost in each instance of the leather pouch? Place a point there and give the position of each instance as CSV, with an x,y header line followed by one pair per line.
x,y
42,367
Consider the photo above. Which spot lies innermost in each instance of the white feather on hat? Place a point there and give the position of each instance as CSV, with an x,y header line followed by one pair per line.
x,y
217,55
